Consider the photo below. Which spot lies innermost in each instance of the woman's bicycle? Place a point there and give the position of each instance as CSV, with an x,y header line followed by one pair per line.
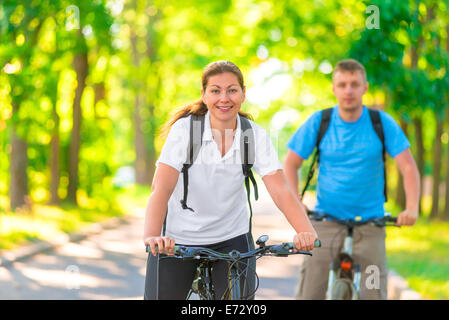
x,y
345,275
202,285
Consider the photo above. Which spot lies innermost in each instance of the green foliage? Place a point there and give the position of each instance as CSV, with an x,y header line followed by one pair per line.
x,y
154,51
406,29
420,254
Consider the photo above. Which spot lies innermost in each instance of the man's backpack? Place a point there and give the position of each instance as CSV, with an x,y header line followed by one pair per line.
x,y
247,154
324,124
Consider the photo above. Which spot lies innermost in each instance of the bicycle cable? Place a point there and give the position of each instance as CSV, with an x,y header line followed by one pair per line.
x,y
246,281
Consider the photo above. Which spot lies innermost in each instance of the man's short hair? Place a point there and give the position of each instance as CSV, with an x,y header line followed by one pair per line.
x,y
350,65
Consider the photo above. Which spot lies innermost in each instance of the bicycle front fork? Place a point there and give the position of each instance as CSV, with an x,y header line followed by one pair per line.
x,y
331,280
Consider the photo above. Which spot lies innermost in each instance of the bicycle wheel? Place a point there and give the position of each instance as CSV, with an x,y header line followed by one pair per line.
x,y
342,289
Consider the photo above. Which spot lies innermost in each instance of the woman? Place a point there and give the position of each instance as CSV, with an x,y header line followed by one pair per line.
x,y
217,215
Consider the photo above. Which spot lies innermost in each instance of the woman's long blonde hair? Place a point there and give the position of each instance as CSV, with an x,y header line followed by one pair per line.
x,y
198,107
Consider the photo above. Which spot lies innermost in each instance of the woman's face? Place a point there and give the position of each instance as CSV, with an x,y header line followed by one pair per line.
x,y
223,97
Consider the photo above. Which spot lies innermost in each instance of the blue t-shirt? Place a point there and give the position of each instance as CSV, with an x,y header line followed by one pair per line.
x,y
351,170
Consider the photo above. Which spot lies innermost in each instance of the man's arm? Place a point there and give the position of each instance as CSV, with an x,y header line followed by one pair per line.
x,y
292,163
410,176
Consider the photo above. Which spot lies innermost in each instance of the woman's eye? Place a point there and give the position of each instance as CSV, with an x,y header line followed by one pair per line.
x,y
215,91
233,90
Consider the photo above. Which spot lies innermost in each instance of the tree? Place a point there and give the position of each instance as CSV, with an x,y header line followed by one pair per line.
x,y
94,16
405,58
20,27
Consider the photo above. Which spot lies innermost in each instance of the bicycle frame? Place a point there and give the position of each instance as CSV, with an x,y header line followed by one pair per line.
x,y
234,283
202,284
204,287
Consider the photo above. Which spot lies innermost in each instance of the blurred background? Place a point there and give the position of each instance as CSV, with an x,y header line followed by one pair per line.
x,y
85,87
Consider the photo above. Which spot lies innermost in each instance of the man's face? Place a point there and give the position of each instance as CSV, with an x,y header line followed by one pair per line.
x,y
349,88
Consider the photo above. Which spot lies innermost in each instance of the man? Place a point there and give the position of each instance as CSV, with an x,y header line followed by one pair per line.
x,y
351,181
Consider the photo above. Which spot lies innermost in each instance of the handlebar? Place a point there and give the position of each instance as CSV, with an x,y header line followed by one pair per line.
x,y
379,222
279,250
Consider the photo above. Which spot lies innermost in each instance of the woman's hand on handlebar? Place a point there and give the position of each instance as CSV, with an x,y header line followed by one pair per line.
x,y
304,241
160,244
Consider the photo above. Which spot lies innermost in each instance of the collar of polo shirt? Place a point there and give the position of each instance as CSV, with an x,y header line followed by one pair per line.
x,y
207,135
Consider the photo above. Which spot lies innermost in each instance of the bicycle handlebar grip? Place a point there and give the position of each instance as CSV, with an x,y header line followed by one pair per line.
x,y
175,249
316,244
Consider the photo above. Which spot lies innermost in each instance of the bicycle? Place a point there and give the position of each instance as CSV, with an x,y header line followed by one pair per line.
x,y
202,285
344,275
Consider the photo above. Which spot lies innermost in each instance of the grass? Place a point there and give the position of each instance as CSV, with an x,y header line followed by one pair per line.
x,y
420,254
45,222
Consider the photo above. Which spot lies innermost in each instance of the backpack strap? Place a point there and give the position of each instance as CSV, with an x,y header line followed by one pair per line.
x,y
247,144
324,124
248,156
193,149
377,125
195,142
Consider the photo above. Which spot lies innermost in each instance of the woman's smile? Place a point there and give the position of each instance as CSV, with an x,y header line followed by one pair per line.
x,y
224,109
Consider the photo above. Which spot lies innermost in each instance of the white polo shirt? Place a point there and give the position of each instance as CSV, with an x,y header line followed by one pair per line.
x,y
216,184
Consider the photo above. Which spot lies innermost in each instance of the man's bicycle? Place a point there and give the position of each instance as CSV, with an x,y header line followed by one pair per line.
x,y
345,275
202,285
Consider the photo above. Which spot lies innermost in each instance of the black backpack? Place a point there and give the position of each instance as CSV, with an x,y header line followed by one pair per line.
x,y
324,124
247,144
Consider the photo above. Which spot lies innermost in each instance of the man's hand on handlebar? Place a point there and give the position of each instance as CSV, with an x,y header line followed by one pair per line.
x,y
407,217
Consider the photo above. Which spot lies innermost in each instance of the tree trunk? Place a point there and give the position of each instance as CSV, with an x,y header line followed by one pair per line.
x,y
436,169
80,65
54,159
439,131
446,207
445,215
417,122
100,93
417,119
18,184
142,163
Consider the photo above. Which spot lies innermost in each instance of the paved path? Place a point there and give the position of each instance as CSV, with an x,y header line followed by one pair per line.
x,y
105,266
111,265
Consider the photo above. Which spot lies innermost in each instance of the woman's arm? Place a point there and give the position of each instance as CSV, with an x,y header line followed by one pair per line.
x,y
292,163
164,182
291,207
